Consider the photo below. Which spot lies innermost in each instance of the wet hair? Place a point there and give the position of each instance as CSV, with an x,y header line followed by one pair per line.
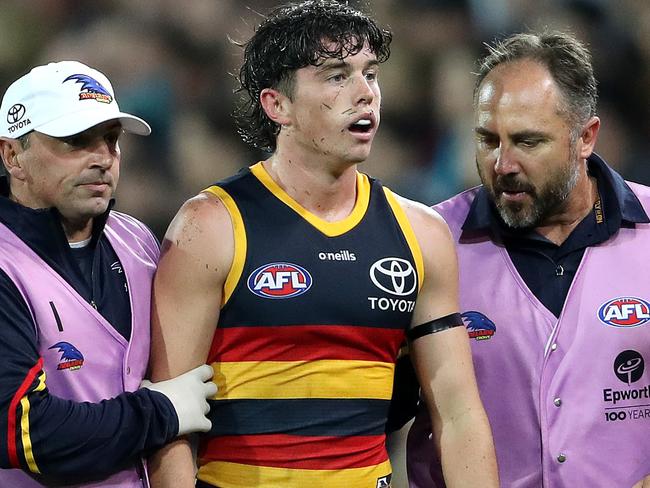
x,y
294,36
563,55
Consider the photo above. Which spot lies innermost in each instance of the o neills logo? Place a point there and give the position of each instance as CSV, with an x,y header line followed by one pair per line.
x,y
342,255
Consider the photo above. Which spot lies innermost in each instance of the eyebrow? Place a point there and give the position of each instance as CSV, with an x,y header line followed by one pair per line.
x,y
524,134
341,63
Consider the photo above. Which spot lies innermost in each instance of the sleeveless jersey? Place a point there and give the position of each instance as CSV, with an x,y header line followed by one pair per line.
x,y
304,351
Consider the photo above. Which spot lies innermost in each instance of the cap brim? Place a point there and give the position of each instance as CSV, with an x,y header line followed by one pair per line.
x,y
75,123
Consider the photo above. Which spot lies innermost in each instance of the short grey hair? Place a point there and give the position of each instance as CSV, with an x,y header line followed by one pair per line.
x,y
563,55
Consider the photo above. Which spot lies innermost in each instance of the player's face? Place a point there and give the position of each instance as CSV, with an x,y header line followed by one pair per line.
x,y
76,174
525,154
335,108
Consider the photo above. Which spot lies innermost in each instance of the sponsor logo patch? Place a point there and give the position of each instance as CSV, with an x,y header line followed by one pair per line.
x,y
394,275
624,312
384,481
628,403
16,117
342,255
478,326
279,280
629,366
71,357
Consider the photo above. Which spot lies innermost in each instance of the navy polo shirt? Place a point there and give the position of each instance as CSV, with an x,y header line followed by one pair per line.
x,y
546,268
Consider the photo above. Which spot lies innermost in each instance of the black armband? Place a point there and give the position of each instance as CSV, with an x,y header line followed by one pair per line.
x,y
433,326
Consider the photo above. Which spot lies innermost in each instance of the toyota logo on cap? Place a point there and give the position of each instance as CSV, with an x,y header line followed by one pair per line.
x,y
394,275
15,113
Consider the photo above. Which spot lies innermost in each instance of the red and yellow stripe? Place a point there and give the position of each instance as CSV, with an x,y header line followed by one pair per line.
x,y
278,343
234,475
21,397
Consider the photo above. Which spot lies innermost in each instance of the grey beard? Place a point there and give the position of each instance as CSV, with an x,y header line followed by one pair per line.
x,y
544,204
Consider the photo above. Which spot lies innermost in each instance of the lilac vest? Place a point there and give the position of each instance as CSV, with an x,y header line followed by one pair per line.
x,y
568,399
111,365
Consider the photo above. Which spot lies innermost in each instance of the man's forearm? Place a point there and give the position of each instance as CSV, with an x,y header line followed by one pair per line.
x,y
173,466
467,452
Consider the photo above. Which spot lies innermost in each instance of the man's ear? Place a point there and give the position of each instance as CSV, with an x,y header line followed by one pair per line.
x,y
589,137
276,105
10,150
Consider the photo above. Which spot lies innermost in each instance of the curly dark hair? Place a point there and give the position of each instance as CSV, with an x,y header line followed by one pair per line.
x,y
294,36
566,58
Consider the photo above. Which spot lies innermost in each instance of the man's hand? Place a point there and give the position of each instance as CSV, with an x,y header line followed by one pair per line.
x,y
188,393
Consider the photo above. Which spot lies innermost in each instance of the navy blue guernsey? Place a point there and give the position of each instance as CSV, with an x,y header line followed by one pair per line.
x,y
313,318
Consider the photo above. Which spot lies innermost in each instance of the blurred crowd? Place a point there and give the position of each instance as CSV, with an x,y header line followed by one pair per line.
x,y
172,63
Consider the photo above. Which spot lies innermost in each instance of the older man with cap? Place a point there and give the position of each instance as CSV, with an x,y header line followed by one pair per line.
x,y
75,284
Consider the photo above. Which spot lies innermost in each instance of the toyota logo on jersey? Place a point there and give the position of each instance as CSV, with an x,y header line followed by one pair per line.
x,y
279,280
625,312
394,275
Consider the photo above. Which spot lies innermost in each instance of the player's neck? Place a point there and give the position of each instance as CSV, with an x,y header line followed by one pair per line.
x,y
328,193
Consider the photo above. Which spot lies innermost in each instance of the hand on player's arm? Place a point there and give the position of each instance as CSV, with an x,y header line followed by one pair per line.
x,y
443,363
196,255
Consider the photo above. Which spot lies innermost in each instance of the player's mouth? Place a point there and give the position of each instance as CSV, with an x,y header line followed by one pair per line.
x,y
364,126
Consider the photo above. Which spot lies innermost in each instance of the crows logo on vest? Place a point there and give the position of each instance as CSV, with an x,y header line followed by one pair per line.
x,y
478,326
624,312
71,357
279,280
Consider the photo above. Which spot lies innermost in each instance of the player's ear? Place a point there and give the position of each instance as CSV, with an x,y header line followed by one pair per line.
x,y
276,105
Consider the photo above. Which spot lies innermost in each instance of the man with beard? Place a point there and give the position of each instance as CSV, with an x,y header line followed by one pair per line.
x,y
553,278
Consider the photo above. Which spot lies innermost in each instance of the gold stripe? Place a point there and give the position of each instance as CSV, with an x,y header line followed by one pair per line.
x,y
233,475
407,229
330,229
237,267
24,427
303,379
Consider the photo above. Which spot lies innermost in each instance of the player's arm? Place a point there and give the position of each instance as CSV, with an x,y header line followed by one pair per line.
x,y
644,483
197,253
443,363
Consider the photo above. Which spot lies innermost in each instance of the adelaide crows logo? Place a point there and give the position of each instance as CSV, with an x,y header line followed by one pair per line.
x,y
91,89
71,357
479,327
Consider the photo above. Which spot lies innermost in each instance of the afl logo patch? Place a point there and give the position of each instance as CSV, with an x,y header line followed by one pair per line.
x,y
279,280
625,312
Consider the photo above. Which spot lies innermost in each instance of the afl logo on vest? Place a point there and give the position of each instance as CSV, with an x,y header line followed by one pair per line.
x,y
625,312
279,280
397,277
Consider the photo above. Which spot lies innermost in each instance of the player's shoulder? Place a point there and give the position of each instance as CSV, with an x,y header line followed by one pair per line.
x,y
202,217
422,218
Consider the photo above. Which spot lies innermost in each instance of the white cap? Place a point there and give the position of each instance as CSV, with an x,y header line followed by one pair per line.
x,y
62,99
